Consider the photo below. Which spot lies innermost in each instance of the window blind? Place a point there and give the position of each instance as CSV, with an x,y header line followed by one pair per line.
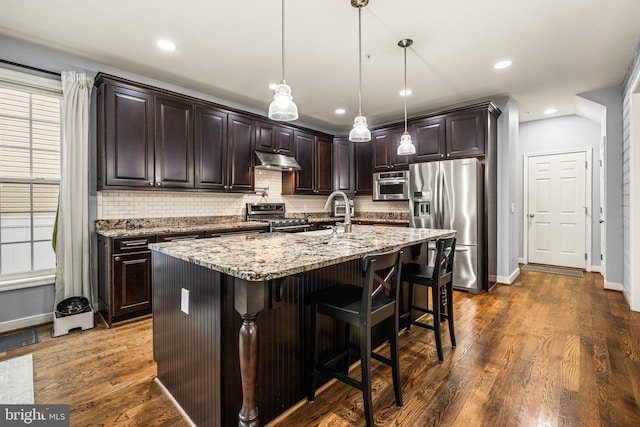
x,y
30,139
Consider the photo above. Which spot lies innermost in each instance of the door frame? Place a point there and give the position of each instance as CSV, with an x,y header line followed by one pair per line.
x,y
602,215
588,223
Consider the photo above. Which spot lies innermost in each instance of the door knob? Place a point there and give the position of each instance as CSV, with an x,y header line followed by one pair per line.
x,y
531,215
601,221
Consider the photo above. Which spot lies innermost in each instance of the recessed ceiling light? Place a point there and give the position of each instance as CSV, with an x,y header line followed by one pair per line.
x,y
166,45
405,93
502,64
340,111
550,110
273,86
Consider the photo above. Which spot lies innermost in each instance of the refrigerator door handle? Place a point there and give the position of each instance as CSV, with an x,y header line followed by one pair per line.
x,y
441,188
458,249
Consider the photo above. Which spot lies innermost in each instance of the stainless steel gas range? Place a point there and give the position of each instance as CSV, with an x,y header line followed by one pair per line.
x,y
274,214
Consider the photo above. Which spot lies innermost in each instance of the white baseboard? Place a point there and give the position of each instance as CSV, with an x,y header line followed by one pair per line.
x,y
26,322
596,269
522,261
510,279
614,287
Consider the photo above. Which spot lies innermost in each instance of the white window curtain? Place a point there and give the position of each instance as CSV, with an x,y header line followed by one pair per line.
x,y
72,235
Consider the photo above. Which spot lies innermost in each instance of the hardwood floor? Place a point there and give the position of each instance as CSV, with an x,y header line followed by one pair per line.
x,y
548,350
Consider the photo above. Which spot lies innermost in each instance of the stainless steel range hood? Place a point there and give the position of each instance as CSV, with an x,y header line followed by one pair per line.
x,y
274,161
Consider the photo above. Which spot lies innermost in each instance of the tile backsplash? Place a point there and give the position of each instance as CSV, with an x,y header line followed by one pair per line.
x,y
125,204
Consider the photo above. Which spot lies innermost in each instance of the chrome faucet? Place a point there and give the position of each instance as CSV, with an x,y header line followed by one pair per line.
x,y
347,216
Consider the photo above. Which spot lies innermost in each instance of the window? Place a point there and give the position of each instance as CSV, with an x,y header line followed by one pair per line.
x,y
29,177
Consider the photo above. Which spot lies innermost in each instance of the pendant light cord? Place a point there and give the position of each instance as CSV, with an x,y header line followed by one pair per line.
x,y
360,60
283,81
405,88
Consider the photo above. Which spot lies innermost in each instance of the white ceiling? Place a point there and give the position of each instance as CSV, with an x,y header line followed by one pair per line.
x,y
231,49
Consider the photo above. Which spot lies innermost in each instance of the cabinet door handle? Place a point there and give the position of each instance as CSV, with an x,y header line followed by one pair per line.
x,y
225,187
150,183
159,184
117,258
230,187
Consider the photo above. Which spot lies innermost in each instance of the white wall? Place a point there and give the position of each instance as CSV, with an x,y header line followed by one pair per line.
x,y
611,98
629,165
557,134
507,240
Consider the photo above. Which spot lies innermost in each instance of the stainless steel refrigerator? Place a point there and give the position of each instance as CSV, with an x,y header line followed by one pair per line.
x,y
449,195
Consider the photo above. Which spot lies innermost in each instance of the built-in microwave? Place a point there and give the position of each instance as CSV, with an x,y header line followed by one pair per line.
x,y
339,208
391,185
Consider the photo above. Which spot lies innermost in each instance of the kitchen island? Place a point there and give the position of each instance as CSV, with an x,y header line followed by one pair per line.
x,y
207,290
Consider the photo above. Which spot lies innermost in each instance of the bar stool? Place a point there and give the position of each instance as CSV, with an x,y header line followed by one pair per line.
x,y
439,280
363,307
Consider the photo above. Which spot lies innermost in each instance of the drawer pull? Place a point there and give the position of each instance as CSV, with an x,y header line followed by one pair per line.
x,y
179,238
134,243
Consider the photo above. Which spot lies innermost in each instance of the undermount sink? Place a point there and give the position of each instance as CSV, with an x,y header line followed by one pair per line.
x,y
322,232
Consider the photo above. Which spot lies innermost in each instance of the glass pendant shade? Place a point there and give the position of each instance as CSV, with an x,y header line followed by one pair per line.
x,y
360,131
282,108
406,147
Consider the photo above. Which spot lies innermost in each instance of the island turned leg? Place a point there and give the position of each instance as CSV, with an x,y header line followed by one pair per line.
x,y
249,301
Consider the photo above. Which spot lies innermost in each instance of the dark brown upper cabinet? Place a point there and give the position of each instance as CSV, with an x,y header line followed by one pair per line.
x,y
144,139
344,177
314,154
385,146
174,144
155,139
364,167
241,144
125,137
324,165
352,166
466,133
428,136
274,138
211,149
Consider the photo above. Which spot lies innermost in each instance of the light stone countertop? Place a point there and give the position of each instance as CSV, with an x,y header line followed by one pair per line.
x,y
270,256
224,225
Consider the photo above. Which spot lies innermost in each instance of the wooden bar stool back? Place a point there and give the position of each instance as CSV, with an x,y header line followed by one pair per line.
x,y
439,279
362,306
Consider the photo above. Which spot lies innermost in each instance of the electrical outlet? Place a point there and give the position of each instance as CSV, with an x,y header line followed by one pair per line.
x,y
184,301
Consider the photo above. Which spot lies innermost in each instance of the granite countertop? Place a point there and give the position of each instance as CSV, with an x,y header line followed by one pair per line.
x,y
169,228
398,221
142,227
269,256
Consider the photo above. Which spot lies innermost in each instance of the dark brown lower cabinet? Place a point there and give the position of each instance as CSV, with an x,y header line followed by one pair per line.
x,y
124,278
124,270
131,283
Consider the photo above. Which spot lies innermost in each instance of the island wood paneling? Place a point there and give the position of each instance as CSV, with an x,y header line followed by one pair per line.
x,y
197,353
186,347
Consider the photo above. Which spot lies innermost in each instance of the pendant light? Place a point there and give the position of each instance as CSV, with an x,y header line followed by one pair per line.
x,y
360,131
282,107
406,147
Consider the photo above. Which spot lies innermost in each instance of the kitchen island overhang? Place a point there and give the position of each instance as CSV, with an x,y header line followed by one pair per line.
x,y
213,347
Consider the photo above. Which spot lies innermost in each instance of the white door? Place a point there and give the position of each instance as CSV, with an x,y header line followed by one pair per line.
x,y
603,205
557,212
